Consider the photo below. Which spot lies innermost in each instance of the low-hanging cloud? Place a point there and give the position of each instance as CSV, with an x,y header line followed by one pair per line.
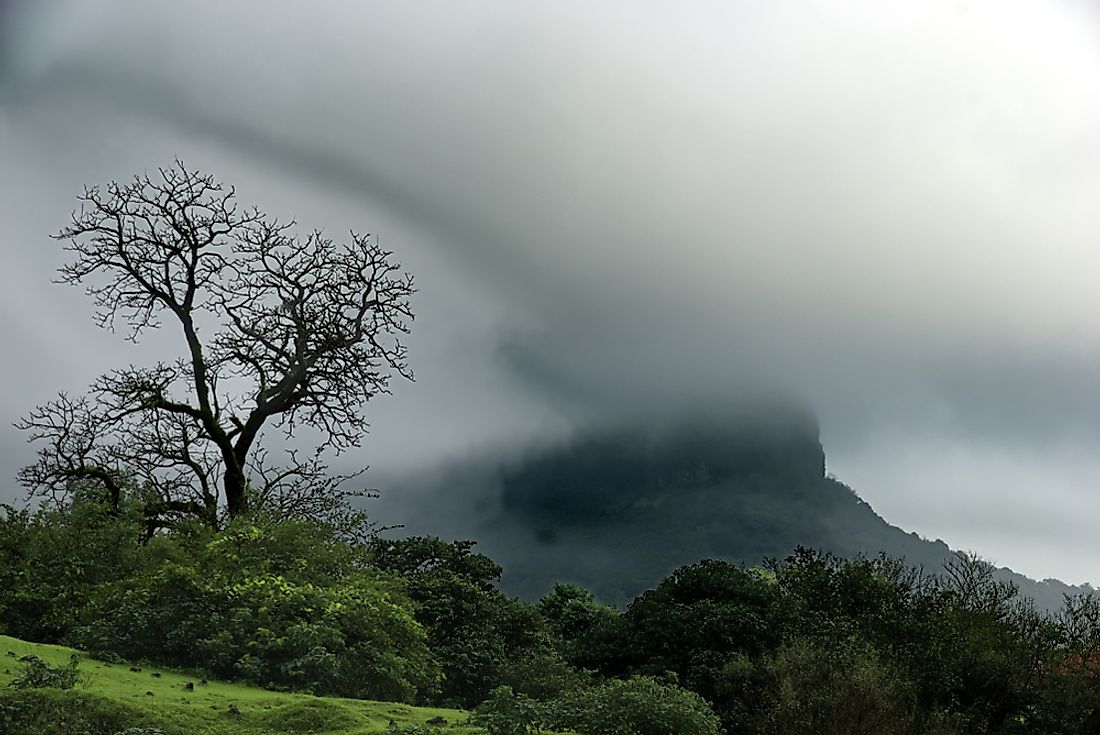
x,y
887,210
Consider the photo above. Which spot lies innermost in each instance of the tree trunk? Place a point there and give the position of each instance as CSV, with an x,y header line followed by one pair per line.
x,y
236,499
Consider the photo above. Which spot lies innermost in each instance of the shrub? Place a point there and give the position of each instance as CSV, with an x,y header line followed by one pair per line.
x,y
57,712
841,689
695,620
222,607
542,675
640,705
38,674
507,713
52,560
579,624
411,729
309,716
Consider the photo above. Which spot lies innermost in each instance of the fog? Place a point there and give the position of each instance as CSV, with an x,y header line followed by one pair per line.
x,y
884,209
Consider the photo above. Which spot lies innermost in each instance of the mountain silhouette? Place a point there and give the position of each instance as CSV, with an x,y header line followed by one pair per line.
x,y
618,508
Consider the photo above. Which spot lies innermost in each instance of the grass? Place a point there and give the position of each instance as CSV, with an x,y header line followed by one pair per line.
x,y
112,697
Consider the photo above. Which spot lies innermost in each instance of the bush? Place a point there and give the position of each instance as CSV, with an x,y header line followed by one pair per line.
x,y
640,705
39,711
38,674
507,713
411,729
695,620
309,716
222,607
542,675
580,625
52,560
840,689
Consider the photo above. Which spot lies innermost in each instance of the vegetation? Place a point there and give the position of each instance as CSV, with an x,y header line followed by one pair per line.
x,y
139,699
813,643
639,705
181,599
481,638
39,675
356,638
507,713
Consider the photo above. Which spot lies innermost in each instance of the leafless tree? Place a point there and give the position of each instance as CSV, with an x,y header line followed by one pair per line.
x,y
974,584
277,331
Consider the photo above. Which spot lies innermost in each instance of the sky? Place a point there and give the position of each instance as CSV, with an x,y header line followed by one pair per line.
x,y
886,209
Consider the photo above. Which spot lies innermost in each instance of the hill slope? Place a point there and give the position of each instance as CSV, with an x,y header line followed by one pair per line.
x,y
618,509
115,697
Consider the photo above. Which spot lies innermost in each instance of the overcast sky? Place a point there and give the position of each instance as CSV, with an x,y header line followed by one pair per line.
x,y
888,209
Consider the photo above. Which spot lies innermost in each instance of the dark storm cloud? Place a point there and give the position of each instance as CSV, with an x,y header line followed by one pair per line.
x,y
886,210
296,157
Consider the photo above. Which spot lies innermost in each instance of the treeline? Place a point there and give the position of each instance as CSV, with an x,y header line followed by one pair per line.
x,y
810,644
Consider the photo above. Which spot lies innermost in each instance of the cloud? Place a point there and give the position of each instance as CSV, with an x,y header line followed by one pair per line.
x,y
885,209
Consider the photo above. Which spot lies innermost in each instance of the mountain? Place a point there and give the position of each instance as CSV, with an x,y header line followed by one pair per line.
x,y
619,508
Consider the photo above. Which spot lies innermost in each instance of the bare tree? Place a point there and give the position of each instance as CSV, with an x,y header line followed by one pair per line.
x,y
277,331
974,584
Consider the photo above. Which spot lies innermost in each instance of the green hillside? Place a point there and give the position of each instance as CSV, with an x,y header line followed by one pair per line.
x,y
114,697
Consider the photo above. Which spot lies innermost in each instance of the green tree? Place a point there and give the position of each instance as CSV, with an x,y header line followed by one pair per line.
x,y
698,619
1002,649
480,637
581,625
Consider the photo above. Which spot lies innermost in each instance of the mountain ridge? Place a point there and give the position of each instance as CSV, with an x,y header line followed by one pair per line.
x,y
617,508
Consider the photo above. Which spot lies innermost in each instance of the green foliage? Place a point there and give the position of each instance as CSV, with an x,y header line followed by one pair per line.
x,y
480,638
507,713
895,608
309,716
117,697
582,627
640,705
542,675
814,643
696,620
52,561
412,729
57,712
427,556
240,605
297,550
845,689
38,674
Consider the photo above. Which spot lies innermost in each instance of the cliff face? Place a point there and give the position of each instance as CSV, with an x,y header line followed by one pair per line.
x,y
608,477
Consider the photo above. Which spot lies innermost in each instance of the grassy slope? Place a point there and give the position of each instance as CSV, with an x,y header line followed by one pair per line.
x,y
119,692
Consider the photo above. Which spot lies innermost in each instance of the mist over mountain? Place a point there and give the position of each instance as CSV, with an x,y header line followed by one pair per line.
x,y
887,208
616,508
